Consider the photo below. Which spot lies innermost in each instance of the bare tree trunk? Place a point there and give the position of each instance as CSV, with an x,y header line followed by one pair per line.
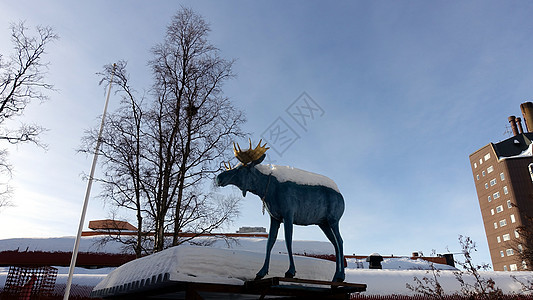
x,y
182,172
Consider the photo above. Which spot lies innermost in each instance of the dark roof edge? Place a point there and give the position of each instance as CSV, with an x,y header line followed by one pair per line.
x,y
514,145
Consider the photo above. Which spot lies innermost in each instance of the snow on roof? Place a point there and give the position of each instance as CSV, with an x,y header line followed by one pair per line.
x,y
286,173
60,244
205,264
399,263
239,261
526,153
228,266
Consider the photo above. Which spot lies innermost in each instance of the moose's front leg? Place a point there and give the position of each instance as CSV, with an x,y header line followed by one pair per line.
x,y
272,236
287,226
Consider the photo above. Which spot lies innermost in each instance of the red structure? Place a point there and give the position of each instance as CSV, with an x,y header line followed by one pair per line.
x,y
62,259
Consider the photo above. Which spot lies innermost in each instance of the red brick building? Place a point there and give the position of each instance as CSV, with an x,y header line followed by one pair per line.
x,y
503,176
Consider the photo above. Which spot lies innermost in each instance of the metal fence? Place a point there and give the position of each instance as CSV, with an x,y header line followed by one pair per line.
x,y
29,283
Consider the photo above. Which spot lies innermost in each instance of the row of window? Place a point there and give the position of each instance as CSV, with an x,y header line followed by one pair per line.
x,y
489,170
499,209
504,221
514,268
507,237
496,195
509,252
493,181
486,157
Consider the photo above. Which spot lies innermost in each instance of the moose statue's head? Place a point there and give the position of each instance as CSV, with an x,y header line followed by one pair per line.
x,y
244,173
291,196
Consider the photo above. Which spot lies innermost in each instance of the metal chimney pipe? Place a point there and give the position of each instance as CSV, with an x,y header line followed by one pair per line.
x,y
512,120
527,113
519,123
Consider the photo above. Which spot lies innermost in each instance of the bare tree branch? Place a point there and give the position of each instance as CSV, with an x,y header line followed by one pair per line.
x,y
22,81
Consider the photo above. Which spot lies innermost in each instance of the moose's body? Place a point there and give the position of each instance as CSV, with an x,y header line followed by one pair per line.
x,y
313,200
309,204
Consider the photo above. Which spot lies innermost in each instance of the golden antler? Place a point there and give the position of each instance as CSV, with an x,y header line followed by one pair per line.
x,y
227,166
250,154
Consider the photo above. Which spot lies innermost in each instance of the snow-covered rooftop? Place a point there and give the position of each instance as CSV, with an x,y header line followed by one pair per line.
x,y
238,261
526,153
230,266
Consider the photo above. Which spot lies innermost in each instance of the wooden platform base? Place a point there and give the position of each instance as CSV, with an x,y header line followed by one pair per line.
x,y
269,288
296,288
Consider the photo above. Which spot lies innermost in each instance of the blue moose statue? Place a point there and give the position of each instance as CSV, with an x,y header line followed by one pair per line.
x,y
291,196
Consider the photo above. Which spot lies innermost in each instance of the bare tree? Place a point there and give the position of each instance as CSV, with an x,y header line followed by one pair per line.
x,y
429,285
482,288
121,152
523,246
159,155
5,188
199,121
22,81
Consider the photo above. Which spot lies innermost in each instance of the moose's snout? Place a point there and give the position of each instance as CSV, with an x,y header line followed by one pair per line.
x,y
219,181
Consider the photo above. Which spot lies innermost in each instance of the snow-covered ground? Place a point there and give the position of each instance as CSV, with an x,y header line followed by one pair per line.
x,y
238,260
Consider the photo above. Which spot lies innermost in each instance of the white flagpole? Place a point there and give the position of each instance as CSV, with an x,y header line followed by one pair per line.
x,y
87,193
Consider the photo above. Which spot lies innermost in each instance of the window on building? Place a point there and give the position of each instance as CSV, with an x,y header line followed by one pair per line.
x,y
483,173
480,161
503,223
520,248
475,165
486,185
530,167
513,220
492,211
509,204
509,252
524,265
493,182
505,191
502,177
506,237
498,239
495,225
504,267
496,195
487,156
490,169
477,177
513,267
490,198
502,254
499,208
516,234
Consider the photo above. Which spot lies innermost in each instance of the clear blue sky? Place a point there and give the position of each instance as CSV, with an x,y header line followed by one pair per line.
x,y
406,91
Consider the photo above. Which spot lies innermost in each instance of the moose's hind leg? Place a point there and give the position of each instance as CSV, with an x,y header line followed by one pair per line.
x,y
337,244
339,274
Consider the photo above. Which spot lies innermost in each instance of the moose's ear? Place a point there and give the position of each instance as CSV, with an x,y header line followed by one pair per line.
x,y
258,161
